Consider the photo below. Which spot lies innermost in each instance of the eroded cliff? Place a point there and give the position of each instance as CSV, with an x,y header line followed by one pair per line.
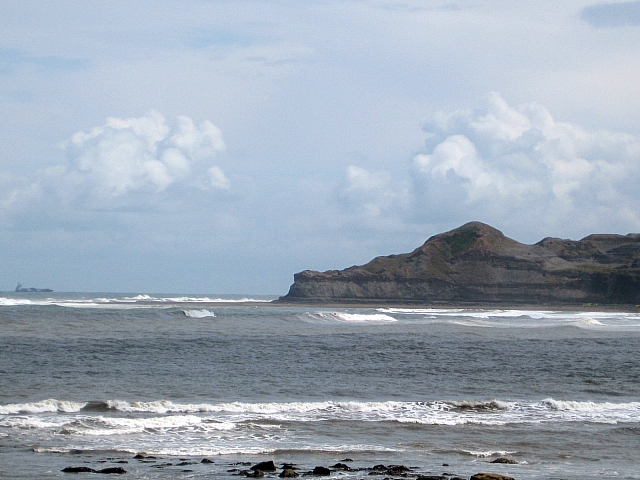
x,y
477,264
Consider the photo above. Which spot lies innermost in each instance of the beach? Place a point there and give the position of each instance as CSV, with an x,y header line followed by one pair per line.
x,y
94,380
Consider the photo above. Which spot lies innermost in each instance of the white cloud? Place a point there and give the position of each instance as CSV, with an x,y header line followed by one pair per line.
x,y
217,178
520,165
127,163
144,153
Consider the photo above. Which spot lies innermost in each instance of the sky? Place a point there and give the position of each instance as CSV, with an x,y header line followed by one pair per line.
x,y
216,146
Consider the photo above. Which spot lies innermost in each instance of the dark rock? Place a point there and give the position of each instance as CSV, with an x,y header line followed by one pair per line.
x,y
78,470
379,467
477,264
187,471
288,466
121,461
139,456
346,460
504,460
432,477
321,471
490,476
116,470
265,466
288,473
341,466
445,464
206,460
397,469
184,464
256,474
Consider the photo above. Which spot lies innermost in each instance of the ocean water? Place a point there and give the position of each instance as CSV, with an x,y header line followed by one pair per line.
x,y
94,379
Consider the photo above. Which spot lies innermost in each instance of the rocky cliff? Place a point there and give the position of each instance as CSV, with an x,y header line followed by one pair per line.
x,y
477,264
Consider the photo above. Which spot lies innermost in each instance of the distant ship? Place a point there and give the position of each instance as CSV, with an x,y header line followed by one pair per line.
x,y
20,288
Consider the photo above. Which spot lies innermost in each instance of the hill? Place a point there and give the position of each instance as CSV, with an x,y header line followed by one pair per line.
x,y
477,264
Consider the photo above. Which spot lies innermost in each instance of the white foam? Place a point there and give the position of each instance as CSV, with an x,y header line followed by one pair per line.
x,y
49,405
204,313
166,415
354,317
11,302
488,318
488,453
186,299
137,301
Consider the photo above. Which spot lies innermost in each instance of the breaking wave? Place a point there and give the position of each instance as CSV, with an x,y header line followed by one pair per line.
x,y
204,313
494,412
353,317
49,405
517,318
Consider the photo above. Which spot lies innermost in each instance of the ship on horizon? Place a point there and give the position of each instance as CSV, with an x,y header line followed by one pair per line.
x,y
20,288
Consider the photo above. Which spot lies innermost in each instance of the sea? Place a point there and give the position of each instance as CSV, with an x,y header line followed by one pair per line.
x,y
157,383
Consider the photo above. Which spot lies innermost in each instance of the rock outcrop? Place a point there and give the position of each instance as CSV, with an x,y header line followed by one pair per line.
x,y
477,264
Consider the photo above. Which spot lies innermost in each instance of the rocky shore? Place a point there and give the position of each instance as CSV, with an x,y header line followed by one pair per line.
x,y
476,265
269,469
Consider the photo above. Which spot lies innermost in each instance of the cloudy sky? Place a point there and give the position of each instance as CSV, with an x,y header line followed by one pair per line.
x,y
219,146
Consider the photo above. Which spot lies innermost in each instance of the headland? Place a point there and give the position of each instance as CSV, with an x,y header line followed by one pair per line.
x,y
476,265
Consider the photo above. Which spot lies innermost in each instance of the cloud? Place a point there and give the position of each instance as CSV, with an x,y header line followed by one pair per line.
x,y
612,14
519,166
372,194
130,164
143,154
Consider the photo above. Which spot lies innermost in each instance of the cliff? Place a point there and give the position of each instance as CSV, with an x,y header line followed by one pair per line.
x,y
477,264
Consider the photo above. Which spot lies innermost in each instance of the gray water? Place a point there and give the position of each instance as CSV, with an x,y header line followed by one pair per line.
x,y
91,380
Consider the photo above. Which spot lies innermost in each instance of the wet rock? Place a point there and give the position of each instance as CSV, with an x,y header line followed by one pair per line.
x,y
256,474
140,456
121,461
206,460
432,477
265,466
321,471
116,470
288,473
504,460
491,476
184,464
346,460
341,466
288,466
78,470
397,469
379,467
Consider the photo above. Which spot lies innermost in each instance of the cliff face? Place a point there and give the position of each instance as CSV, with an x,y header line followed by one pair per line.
x,y
476,263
